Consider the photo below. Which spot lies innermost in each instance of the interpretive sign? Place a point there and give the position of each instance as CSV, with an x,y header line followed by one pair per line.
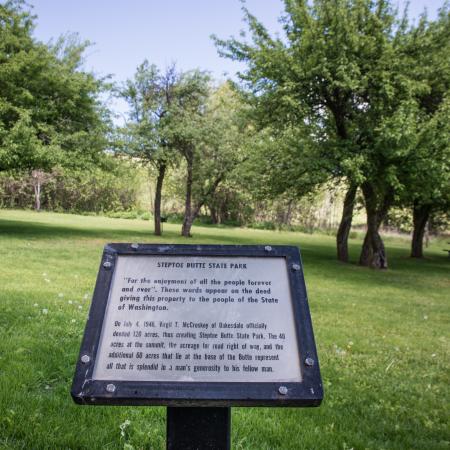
x,y
199,325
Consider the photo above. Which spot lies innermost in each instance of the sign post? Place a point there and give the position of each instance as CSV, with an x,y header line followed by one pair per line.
x,y
198,428
199,328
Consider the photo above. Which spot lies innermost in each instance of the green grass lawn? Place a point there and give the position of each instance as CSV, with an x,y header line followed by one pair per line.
x,y
383,343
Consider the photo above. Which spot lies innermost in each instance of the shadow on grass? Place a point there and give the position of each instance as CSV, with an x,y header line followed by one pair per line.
x,y
317,256
18,229
39,230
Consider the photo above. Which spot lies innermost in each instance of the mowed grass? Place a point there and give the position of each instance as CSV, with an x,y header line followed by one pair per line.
x,y
383,342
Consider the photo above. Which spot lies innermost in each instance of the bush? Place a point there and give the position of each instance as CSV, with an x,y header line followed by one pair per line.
x,y
95,189
266,225
203,220
129,215
232,223
175,217
297,228
122,214
114,215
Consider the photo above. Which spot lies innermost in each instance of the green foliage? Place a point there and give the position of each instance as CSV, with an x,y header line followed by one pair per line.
x,y
334,86
341,94
281,164
182,126
326,85
208,130
123,215
150,96
164,112
231,204
399,219
266,225
166,121
113,188
175,217
49,109
222,146
427,176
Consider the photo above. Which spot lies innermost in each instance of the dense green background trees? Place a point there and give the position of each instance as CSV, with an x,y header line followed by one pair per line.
x,y
54,129
352,101
178,120
50,113
218,149
426,58
112,187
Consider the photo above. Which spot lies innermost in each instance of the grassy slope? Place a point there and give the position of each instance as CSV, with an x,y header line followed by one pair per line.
x,y
383,342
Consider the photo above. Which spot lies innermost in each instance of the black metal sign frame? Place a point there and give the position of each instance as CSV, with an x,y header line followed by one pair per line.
x,y
308,392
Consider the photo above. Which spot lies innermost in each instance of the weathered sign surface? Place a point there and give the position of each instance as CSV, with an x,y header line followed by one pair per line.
x,y
213,325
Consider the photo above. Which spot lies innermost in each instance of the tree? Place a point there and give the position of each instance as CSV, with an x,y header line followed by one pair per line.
x,y
49,109
169,120
39,177
428,177
184,128
336,78
426,56
219,150
151,96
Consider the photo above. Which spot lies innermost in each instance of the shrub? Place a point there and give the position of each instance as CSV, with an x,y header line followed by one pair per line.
x,y
95,189
266,225
175,217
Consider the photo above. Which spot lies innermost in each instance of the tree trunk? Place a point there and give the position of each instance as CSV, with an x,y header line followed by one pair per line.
x,y
346,224
214,215
37,195
38,179
188,219
421,215
187,222
187,225
189,213
427,234
288,217
373,253
157,211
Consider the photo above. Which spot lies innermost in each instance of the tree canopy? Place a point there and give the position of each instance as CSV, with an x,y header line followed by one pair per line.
x,y
337,81
50,111
151,96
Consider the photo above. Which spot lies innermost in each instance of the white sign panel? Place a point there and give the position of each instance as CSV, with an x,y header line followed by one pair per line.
x,y
199,319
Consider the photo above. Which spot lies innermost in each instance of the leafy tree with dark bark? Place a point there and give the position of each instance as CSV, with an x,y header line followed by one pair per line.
x,y
221,148
183,128
426,57
428,176
152,97
50,113
336,78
